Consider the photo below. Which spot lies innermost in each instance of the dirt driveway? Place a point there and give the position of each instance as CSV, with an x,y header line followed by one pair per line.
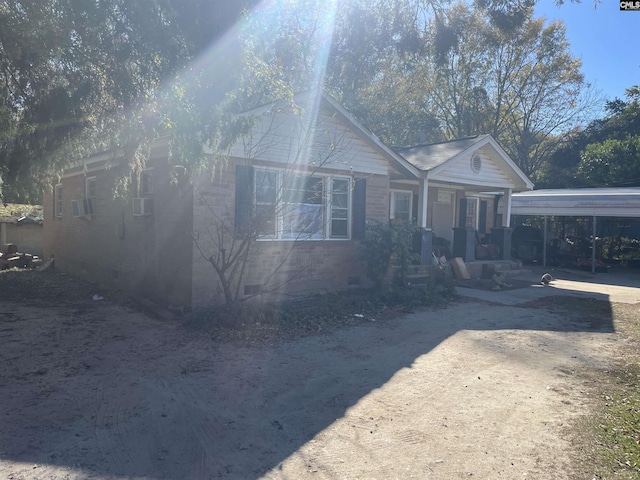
x,y
482,389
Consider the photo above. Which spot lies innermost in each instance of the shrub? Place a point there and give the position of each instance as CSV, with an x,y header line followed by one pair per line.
x,y
385,245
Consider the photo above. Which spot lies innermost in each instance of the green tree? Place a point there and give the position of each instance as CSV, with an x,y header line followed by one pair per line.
x,y
605,153
77,77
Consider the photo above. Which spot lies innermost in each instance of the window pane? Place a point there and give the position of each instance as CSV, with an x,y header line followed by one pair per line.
x,y
91,187
57,193
146,183
266,219
303,212
402,206
472,213
300,189
266,186
302,220
339,213
338,228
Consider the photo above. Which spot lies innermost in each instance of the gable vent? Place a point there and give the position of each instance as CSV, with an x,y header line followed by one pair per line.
x,y
476,163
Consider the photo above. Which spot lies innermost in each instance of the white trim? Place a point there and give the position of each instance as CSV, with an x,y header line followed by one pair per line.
x,y
423,206
87,180
57,200
392,202
147,172
327,185
476,221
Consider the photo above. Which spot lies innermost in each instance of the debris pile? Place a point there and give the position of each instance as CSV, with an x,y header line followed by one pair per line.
x,y
11,258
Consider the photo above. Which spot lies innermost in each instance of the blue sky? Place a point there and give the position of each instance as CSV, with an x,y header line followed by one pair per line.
x,y
606,39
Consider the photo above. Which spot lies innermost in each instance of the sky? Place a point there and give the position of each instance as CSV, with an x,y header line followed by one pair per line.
x,y
607,40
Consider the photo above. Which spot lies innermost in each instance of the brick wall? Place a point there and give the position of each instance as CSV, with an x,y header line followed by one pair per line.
x,y
149,256
296,267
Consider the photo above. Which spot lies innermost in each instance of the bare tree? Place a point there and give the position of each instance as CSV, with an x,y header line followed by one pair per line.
x,y
229,243
523,86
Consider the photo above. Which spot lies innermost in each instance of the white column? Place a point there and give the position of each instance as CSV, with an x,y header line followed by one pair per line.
x,y
544,241
506,216
422,206
593,246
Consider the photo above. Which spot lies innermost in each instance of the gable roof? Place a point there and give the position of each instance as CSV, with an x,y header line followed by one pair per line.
x,y
441,161
428,157
311,100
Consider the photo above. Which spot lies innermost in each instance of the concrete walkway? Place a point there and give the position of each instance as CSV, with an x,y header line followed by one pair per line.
x,y
615,286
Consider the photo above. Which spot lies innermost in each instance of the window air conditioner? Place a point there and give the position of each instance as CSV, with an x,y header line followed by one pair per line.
x,y
82,207
142,206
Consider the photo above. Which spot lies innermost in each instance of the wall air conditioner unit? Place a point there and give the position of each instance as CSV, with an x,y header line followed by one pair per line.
x,y
77,208
142,206
82,207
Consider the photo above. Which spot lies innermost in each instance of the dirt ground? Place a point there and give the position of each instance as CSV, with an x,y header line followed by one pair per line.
x,y
481,389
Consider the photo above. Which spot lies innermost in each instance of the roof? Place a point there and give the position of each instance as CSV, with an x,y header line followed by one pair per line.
x,y
580,202
314,97
448,162
428,157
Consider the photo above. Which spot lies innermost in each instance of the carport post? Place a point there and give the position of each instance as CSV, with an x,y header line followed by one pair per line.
x,y
544,241
593,247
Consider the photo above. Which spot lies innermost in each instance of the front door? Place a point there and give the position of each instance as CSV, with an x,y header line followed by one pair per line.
x,y
442,221
443,216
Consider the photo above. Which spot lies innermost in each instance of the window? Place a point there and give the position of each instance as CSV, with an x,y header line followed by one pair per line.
x,y
146,182
90,187
57,200
266,192
301,207
401,206
339,208
471,220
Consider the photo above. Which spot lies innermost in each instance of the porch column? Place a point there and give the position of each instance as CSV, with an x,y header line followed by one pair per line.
x,y
426,241
544,241
506,214
422,206
593,246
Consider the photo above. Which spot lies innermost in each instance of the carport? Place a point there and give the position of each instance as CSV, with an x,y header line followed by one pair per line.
x,y
581,202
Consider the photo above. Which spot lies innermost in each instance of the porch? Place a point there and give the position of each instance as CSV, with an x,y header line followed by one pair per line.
x,y
459,194
467,244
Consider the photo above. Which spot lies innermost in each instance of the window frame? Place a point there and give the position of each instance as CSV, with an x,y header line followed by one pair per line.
x,y
57,200
87,187
475,215
147,174
327,206
393,202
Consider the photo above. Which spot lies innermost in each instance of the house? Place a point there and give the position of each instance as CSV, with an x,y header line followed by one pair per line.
x,y
312,175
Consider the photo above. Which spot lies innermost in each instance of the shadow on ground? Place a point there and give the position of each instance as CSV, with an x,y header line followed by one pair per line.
x,y
94,393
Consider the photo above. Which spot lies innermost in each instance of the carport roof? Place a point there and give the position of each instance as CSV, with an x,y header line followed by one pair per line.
x,y
580,202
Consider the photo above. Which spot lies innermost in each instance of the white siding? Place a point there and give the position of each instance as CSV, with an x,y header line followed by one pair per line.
x,y
459,171
286,138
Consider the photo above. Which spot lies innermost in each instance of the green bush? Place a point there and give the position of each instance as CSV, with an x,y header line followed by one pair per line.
x,y
385,245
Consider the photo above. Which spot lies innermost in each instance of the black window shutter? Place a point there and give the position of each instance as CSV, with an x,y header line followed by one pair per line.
x,y
482,220
462,220
359,207
244,196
